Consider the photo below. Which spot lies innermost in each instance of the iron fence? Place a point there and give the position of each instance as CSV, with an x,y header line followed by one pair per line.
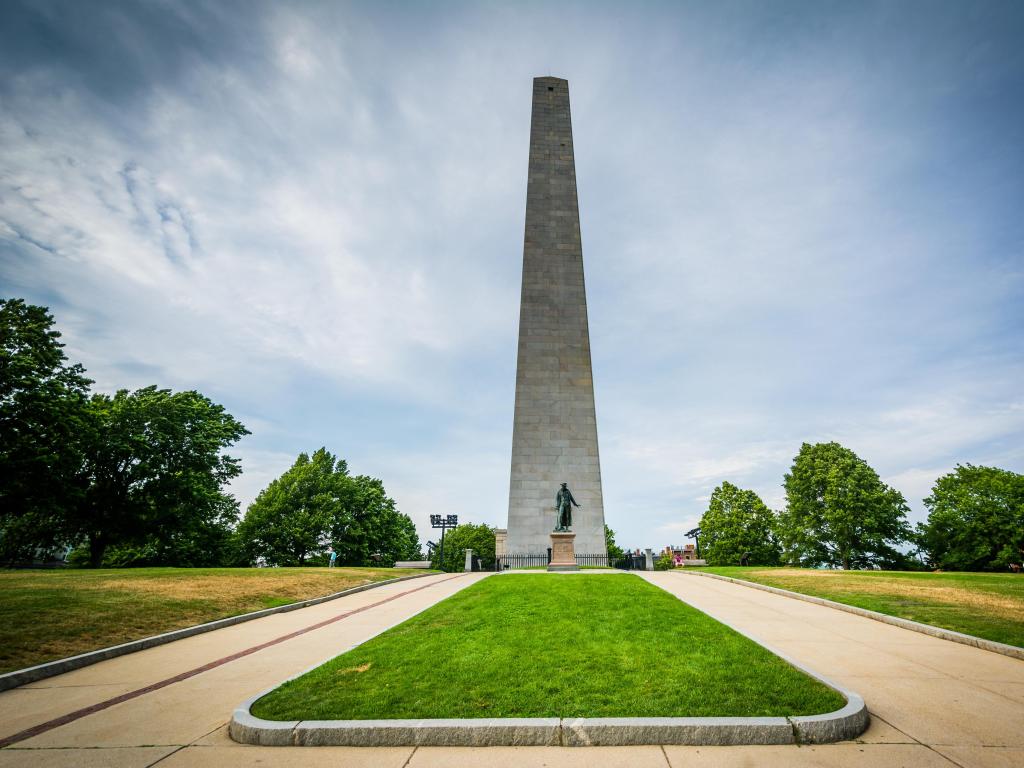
x,y
512,562
631,562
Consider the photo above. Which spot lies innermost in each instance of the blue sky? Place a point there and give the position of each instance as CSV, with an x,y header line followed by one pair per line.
x,y
801,222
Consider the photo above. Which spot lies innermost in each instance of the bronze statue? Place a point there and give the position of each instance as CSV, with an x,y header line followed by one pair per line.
x,y
564,502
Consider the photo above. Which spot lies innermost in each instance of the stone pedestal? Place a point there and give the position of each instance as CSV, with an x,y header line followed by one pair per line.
x,y
563,552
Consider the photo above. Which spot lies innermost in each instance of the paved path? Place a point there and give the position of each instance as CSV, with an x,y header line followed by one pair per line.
x,y
214,672
934,703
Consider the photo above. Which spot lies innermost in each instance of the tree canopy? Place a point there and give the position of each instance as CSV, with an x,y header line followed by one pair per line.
x,y
479,538
838,512
44,421
736,523
316,505
139,471
374,531
155,470
975,519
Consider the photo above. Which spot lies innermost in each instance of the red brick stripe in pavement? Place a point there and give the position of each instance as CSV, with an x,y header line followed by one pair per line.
x,y
49,725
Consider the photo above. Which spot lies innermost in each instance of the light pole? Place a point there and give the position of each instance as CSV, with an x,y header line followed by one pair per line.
x,y
695,535
444,523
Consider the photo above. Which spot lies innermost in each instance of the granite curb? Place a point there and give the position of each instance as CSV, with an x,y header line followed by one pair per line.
x,y
848,722
27,675
915,626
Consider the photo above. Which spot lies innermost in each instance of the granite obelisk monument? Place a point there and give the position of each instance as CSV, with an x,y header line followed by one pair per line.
x,y
554,434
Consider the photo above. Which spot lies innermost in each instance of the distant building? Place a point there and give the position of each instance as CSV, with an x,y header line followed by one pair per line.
x,y
683,555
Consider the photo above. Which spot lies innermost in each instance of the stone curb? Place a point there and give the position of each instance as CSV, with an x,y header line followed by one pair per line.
x,y
841,725
915,626
60,666
845,723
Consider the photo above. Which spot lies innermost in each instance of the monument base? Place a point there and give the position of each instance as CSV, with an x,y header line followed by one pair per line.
x,y
563,553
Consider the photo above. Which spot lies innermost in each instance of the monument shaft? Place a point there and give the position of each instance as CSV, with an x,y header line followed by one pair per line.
x,y
554,435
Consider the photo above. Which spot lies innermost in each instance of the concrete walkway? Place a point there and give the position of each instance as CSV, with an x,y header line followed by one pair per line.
x,y
934,703
217,670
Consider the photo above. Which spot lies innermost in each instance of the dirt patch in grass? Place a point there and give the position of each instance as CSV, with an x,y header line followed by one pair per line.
x,y
47,615
988,605
361,668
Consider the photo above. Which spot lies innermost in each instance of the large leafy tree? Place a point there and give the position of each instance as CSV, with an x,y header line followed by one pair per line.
x,y
317,504
373,530
975,519
155,468
291,519
479,538
838,512
202,541
44,424
738,523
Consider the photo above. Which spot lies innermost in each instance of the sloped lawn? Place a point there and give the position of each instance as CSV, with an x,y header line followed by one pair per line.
x,y
47,615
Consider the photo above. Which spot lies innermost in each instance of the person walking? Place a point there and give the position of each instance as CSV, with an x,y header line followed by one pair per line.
x,y
334,556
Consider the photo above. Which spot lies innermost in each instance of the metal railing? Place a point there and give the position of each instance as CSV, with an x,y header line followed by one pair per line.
x,y
514,562
631,562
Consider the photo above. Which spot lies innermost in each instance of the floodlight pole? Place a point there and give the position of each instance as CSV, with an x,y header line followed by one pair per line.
x,y
444,523
695,535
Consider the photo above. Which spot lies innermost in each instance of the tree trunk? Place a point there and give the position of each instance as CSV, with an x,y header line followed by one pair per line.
x,y
97,548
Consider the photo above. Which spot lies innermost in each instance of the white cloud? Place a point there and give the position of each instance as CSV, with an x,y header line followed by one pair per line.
x,y
314,214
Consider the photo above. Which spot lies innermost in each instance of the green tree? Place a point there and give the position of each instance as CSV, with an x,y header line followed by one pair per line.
x,y
736,523
838,512
479,538
155,470
291,519
373,531
44,421
202,542
316,505
975,519
614,550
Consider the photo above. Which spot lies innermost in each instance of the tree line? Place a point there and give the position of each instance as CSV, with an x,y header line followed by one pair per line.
x,y
840,514
139,478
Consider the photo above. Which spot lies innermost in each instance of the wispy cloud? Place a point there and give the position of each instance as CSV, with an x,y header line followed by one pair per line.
x,y
799,224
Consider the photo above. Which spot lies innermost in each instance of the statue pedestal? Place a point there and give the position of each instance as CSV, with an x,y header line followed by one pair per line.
x,y
563,553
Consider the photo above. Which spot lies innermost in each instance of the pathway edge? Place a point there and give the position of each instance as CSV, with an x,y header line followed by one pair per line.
x,y
915,626
38,672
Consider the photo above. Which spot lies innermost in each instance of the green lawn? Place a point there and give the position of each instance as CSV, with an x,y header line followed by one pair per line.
x,y
988,605
46,615
547,645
